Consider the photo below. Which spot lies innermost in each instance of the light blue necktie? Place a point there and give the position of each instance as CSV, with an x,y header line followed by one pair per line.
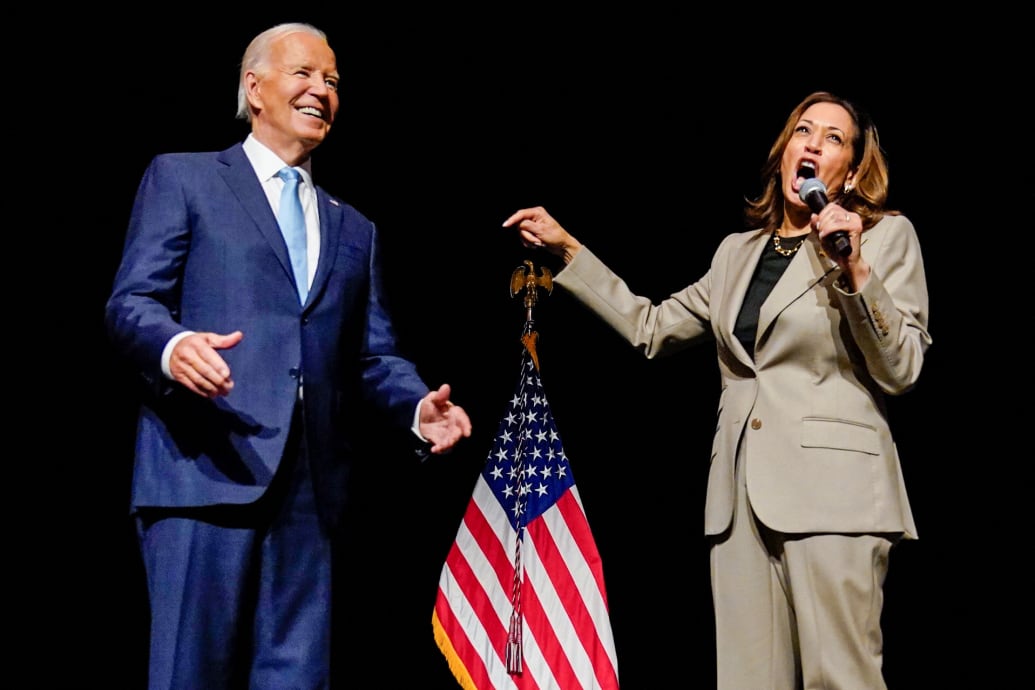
x,y
292,224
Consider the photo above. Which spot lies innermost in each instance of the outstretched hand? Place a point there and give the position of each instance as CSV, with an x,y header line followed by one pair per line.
x,y
196,363
539,230
441,422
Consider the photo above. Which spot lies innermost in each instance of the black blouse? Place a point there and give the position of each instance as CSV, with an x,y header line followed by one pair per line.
x,y
770,267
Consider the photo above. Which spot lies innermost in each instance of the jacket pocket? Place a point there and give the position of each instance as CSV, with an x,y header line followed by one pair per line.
x,y
841,434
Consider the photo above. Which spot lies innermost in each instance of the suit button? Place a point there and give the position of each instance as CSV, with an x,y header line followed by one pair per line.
x,y
756,423
295,373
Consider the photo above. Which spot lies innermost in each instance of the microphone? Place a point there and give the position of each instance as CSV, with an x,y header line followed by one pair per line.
x,y
814,193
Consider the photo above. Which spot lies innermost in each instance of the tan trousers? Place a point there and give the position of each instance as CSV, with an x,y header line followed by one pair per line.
x,y
796,612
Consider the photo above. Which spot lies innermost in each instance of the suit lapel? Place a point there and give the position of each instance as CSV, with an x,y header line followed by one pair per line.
x,y
240,178
740,267
809,266
330,219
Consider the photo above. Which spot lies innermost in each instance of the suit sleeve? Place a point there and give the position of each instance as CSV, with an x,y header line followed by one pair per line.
x,y
655,330
390,380
141,314
888,316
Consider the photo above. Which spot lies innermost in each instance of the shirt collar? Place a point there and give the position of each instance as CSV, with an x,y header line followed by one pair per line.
x,y
267,164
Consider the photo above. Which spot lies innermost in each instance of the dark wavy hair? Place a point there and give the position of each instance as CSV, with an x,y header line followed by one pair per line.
x,y
869,193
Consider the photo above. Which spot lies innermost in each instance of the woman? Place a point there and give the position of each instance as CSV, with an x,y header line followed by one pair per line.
x,y
805,492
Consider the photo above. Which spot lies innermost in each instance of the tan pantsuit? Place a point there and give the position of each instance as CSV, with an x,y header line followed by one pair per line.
x,y
802,427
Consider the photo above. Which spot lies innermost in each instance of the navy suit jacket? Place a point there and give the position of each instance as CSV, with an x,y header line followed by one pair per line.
x,y
204,252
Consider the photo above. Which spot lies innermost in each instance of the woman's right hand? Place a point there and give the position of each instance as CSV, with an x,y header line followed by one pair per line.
x,y
539,230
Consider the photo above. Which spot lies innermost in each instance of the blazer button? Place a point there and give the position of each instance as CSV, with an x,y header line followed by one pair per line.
x,y
756,423
295,372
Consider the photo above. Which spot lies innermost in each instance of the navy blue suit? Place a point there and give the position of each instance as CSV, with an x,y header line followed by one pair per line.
x,y
204,252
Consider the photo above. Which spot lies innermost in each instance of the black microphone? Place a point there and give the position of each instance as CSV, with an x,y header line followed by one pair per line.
x,y
814,193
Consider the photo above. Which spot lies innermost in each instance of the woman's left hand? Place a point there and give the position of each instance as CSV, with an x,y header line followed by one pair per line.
x,y
836,219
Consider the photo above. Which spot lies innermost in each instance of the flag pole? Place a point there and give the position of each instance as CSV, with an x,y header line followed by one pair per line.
x,y
524,278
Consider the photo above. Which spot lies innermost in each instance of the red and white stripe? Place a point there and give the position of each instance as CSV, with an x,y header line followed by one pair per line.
x,y
566,639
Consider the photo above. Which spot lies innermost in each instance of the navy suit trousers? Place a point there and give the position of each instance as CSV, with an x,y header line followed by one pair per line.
x,y
240,594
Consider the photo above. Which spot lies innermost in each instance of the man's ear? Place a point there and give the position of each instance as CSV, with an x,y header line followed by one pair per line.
x,y
252,90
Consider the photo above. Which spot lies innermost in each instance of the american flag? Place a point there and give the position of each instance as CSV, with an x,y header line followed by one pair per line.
x,y
521,601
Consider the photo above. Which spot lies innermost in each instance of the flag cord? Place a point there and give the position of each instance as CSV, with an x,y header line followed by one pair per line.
x,y
514,646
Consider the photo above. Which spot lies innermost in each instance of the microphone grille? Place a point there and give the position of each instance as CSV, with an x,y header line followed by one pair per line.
x,y
813,184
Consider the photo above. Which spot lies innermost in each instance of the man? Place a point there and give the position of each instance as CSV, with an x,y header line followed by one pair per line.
x,y
255,382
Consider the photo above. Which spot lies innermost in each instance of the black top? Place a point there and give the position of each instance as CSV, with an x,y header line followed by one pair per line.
x,y
770,267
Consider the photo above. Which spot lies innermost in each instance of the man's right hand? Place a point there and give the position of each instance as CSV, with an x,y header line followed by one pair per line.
x,y
195,362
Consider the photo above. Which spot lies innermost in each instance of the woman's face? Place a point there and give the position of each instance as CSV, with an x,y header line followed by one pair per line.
x,y
821,147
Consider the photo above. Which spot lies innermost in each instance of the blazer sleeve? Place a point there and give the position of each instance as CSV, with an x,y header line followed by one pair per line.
x,y
655,330
888,317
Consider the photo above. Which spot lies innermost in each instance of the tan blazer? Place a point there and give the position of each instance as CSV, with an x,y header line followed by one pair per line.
x,y
810,407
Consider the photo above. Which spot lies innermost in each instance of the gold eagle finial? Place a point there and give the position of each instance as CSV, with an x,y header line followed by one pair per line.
x,y
524,278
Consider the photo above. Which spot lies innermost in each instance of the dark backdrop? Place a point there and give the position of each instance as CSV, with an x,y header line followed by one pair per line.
x,y
641,132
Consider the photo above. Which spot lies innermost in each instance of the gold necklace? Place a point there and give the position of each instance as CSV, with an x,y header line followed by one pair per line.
x,y
786,252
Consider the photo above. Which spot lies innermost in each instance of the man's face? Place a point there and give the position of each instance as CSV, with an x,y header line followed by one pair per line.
x,y
296,95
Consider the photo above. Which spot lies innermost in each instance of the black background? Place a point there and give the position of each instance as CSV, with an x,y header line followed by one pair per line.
x,y
641,131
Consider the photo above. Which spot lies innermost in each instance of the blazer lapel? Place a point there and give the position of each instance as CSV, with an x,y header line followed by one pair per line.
x,y
809,266
740,267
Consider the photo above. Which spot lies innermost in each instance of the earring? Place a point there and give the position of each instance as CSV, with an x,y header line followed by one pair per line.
x,y
848,187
